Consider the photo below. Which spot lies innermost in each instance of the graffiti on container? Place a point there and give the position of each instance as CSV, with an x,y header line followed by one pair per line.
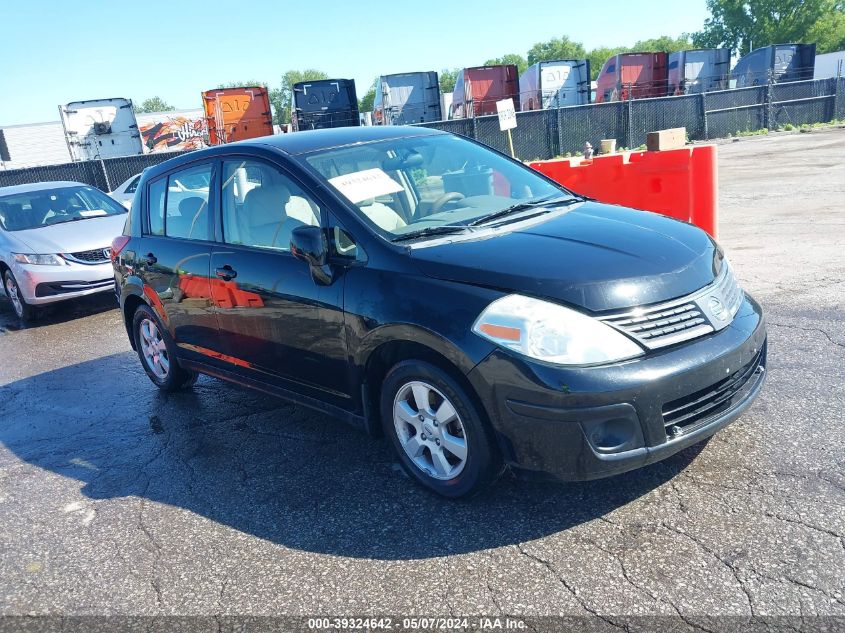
x,y
174,133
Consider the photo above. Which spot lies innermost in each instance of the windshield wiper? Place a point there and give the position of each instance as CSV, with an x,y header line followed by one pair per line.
x,y
528,204
432,230
76,219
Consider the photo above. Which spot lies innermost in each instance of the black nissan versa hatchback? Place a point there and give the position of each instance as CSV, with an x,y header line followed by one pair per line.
x,y
421,285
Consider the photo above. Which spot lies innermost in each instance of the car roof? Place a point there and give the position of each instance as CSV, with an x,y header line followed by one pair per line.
x,y
40,186
295,143
312,140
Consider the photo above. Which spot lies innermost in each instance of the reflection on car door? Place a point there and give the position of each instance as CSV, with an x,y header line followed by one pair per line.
x,y
175,256
276,323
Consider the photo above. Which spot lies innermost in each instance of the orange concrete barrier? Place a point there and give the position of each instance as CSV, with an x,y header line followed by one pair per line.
x,y
681,183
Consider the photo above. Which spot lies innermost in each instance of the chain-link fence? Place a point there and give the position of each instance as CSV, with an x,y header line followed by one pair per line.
x,y
107,174
543,134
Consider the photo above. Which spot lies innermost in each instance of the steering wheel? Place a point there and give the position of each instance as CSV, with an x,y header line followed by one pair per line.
x,y
56,219
446,198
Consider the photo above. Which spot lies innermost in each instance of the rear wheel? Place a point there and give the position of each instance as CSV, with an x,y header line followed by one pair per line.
x,y
23,310
436,430
158,352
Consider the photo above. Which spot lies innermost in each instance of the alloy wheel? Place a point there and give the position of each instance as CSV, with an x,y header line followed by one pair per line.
x,y
154,349
14,297
430,430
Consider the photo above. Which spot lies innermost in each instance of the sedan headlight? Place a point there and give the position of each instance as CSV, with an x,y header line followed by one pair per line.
x,y
551,333
41,260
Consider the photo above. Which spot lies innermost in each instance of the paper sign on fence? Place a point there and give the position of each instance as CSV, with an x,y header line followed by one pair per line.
x,y
507,114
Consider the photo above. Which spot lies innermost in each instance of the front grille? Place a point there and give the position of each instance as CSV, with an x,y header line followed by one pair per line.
x,y
94,256
663,326
681,319
694,409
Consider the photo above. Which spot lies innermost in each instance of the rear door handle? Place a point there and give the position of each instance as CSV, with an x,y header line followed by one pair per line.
x,y
150,259
226,273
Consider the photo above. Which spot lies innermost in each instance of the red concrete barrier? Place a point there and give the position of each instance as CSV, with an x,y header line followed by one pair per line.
x,y
681,183
225,294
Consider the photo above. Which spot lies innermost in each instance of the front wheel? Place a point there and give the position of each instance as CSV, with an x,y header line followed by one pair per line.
x,y
158,352
437,431
23,310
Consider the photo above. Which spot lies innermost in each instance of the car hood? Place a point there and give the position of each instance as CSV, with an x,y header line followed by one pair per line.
x,y
72,237
597,257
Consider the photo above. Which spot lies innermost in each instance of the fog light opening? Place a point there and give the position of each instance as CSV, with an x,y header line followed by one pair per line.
x,y
612,436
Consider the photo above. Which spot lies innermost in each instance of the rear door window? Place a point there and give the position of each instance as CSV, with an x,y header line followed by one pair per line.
x,y
133,185
179,204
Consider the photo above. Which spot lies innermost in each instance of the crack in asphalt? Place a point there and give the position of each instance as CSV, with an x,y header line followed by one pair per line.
x,y
562,580
792,580
619,558
730,566
809,526
808,329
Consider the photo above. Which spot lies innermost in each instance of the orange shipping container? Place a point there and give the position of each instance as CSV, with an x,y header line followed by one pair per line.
x,y
235,114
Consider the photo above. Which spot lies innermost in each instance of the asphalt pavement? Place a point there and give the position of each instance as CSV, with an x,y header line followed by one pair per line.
x,y
117,499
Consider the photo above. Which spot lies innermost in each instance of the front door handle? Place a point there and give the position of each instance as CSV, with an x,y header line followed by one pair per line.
x,y
226,273
150,259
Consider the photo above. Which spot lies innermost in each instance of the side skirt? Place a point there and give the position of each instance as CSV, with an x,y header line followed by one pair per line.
x,y
353,419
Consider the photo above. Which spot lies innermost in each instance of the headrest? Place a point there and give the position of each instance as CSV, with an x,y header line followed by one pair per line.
x,y
189,207
266,205
40,205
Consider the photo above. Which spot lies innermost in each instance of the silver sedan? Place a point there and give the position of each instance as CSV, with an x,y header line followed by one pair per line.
x,y
55,240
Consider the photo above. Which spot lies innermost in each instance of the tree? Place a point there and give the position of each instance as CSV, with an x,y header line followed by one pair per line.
x,y
511,58
664,43
829,31
556,48
153,104
742,25
447,79
242,84
365,103
280,98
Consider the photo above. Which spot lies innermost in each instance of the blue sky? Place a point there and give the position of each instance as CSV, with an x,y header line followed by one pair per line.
x,y
58,52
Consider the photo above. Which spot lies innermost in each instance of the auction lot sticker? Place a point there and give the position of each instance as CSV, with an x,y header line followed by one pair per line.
x,y
361,185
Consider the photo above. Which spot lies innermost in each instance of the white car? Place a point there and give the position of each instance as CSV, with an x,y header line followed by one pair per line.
x,y
126,191
55,243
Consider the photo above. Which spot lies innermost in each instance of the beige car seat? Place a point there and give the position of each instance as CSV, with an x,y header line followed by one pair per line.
x,y
381,215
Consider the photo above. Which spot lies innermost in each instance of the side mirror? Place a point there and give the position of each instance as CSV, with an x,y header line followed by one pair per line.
x,y
309,244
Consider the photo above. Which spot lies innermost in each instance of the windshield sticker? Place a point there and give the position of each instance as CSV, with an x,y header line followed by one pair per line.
x,y
362,185
90,213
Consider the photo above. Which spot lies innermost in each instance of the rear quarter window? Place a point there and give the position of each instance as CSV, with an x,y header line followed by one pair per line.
x,y
158,189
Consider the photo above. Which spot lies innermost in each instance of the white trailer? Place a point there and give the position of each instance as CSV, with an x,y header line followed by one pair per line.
x,y
830,65
699,70
446,105
101,128
555,84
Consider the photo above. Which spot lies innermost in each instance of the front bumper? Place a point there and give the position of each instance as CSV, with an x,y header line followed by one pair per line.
x,y
48,284
588,422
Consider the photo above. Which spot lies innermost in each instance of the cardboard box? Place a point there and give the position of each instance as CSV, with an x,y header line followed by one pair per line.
x,y
663,140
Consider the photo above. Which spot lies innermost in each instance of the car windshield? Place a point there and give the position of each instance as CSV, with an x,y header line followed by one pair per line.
x,y
429,185
44,207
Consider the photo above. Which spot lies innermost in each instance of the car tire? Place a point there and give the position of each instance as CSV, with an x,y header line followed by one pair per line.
x,y
24,311
157,352
427,415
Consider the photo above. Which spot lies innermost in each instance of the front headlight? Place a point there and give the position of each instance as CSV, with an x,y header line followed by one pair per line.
x,y
41,260
551,333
